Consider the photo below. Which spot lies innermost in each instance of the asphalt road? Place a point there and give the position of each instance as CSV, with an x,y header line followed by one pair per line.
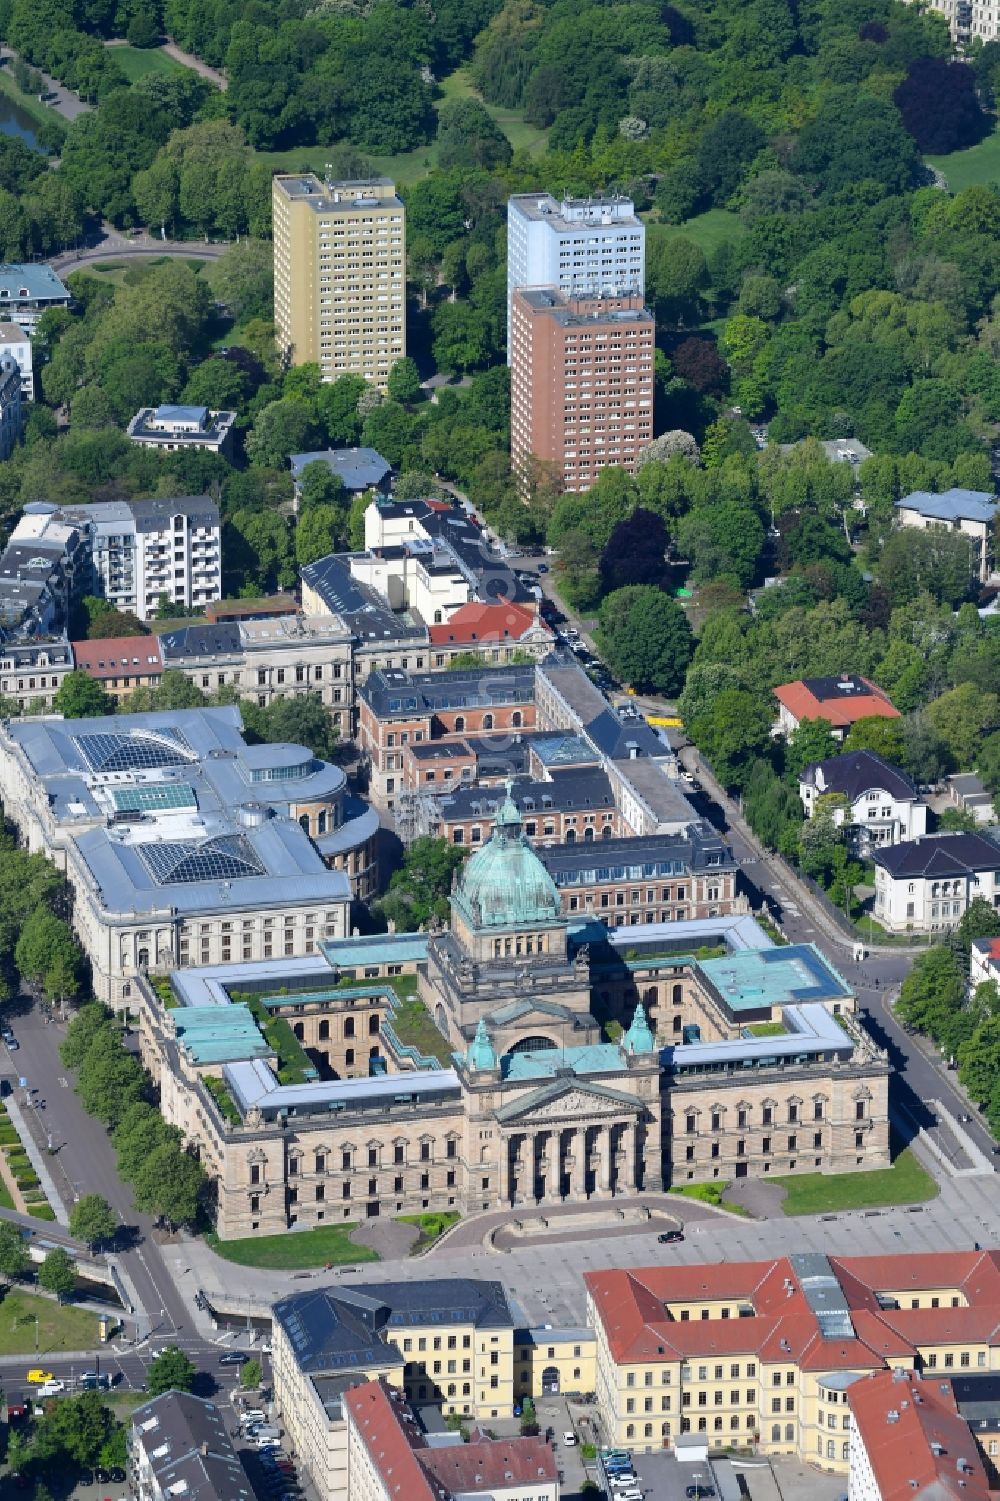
x,y
84,1162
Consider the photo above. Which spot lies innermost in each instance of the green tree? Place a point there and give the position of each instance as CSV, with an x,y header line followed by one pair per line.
x,y
419,890
251,1374
170,1372
733,734
722,540
170,1184
319,531
961,717
645,638
14,1258
812,740
114,623
932,995
80,696
93,1220
88,1023
57,1273
883,736
468,136
47,954
404,382
77,1428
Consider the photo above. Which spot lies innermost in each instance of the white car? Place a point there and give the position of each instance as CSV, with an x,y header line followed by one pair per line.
x,y
51,1389
569,1438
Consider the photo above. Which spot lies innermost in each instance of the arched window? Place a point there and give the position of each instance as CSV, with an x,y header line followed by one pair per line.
x,y
831,1449
324,1031
606,831
459,724
373,1024
650,996
630,1430
299,1031
452,1388
487,721
142,958
570,836
677,995
437,617
647,1431
515,719
776,1434
321,822
789,1432
349,1057
349,1026
678,1024
588,835
373,1052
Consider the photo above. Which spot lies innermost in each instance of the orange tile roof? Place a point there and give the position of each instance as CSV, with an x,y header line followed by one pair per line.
x,y
915,1440
410,1468
801,702
633,1309
475,623
118,656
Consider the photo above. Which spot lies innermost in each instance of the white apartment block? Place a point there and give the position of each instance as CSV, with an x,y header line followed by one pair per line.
x,y
968,20
583,246
15,343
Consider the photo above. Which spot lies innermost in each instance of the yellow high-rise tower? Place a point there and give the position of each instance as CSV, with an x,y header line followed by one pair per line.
x,y
340,275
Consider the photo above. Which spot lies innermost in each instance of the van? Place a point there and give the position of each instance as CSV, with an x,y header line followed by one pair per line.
x,y
266,1430
254,1415
633,1495
264,1444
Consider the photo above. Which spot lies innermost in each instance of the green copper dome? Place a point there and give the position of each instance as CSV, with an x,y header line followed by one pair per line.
x,y
639,1038
480,1055
504,884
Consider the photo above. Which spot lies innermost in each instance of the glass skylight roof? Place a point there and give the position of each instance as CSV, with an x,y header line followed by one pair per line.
x,y
153,796
143,750
228,857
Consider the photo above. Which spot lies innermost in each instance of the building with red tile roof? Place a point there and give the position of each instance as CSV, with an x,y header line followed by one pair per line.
x,y
763,1353
389,1457
121,663
494,631
841,700
908,1442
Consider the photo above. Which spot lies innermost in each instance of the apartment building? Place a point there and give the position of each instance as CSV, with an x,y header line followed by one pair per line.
x,y
27,291
879,804
175,428
32,668
925,885
581,382
121,664
767,1355
970,20
909,1438
581,246
340,275
11,405
15,342
179,1445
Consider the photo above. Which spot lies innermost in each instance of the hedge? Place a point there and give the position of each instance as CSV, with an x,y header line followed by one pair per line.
x,y
41,1211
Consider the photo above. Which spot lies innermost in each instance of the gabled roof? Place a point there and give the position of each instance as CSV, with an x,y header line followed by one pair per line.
x,y
474,624
840,700
118,656
940,855
550,1093
916,1441
858,772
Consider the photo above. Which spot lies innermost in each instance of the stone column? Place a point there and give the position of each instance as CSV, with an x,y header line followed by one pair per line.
x,y
578,1186
504,1165
553,1170
604,1160
628,1161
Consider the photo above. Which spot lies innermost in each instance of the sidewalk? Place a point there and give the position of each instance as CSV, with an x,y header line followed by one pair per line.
x,y
60,99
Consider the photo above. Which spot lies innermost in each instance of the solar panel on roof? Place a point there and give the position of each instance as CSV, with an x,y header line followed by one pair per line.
x,y
143,750
155,796
228,857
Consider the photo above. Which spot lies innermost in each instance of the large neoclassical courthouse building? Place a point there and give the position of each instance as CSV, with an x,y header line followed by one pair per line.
x,y
515,1056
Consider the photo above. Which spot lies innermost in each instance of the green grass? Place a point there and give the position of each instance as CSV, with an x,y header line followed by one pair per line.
x,y
708,230
292,1251
709,1193
220,1094
976,165
41,1211
139,62
6,1202
432,1225
42,114
414,1026
60,1326
407,167
294,1066
767,1029
906,1182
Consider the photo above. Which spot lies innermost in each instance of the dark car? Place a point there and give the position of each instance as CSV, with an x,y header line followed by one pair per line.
x,y
86,1477
117,1476
103,1477
670,1237
234,1357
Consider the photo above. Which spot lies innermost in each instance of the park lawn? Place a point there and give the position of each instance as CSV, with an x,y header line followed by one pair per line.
x,y
708,230
906,1182
431,1226
139,62
295,1250
60,1325
975,166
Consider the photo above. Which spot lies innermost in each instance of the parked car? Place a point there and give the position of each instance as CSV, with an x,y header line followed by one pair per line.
x,y
670,1237
234,1357
38,1377
543,567
51,1388
569,1438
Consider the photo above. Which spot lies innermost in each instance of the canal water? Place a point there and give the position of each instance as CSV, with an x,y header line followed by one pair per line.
x,y
15,122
